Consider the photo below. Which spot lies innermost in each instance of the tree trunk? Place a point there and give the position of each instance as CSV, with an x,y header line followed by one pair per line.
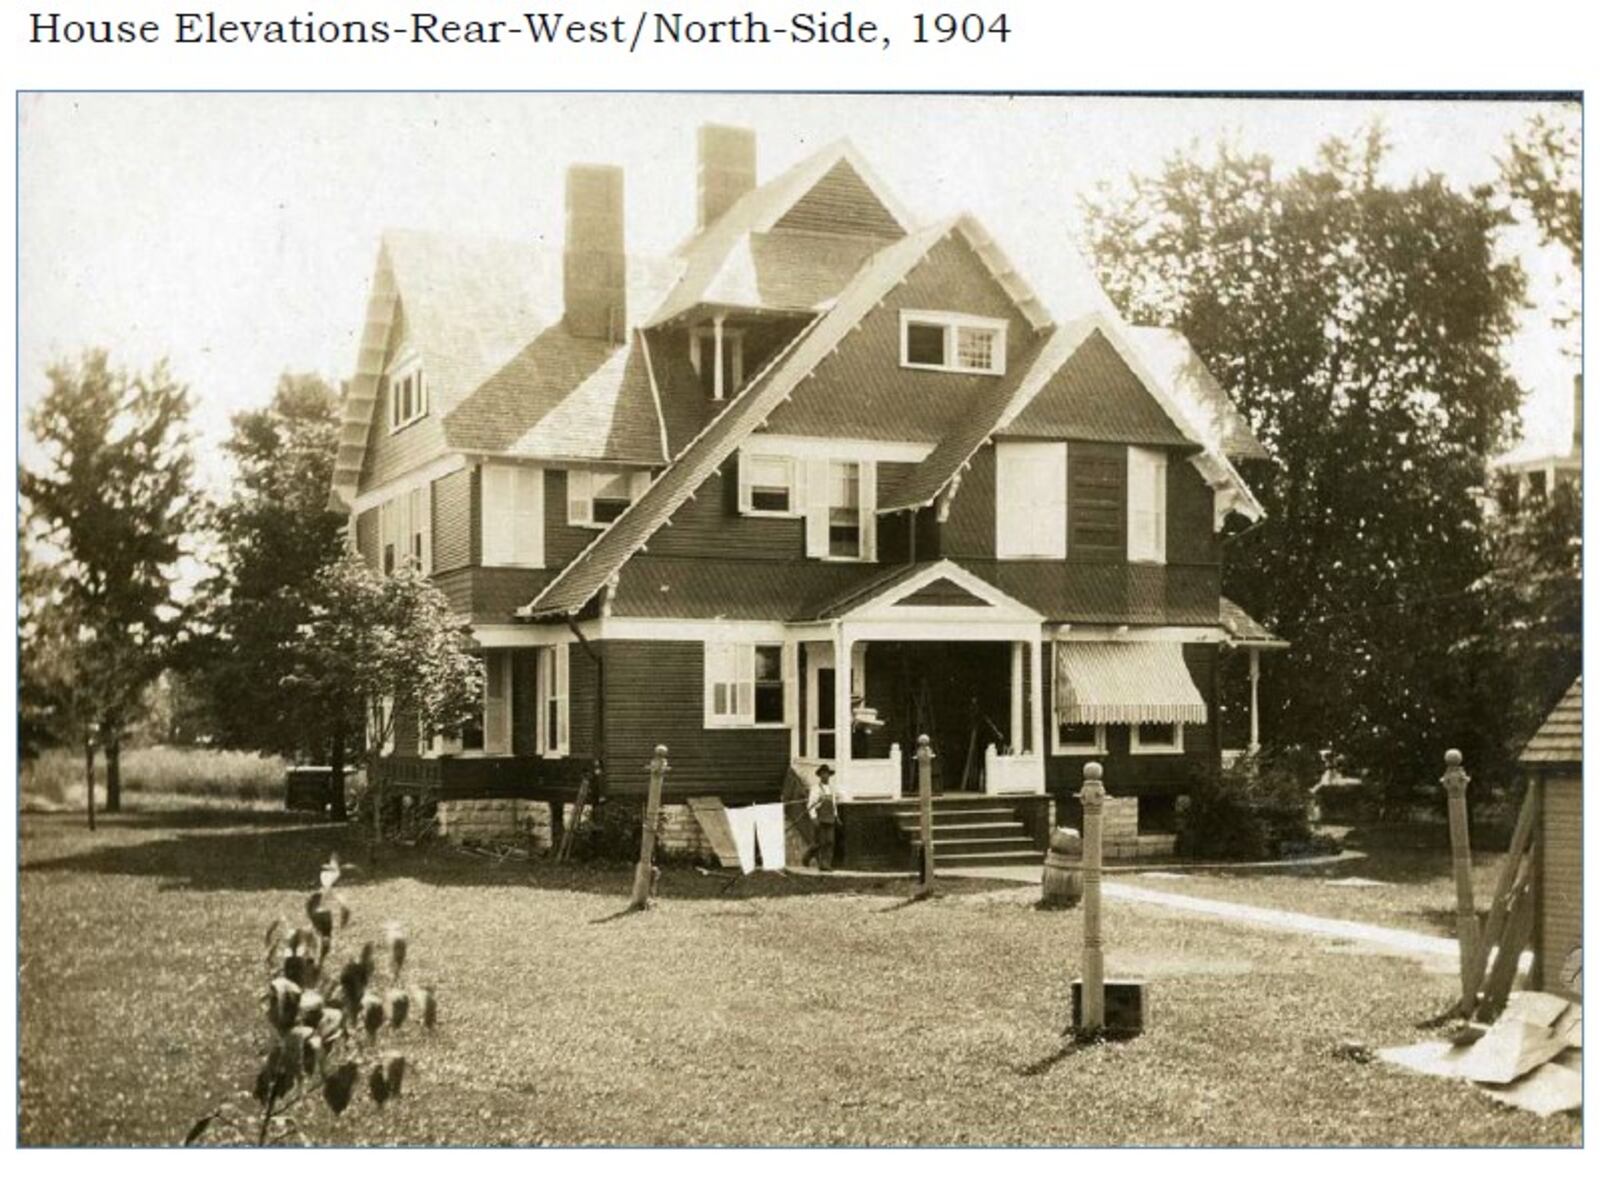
x,y
88,776
113,772
336,774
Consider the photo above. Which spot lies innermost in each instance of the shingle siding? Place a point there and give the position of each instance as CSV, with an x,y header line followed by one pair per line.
x,y
452,521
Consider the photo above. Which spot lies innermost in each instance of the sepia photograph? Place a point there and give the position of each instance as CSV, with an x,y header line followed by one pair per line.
x,y
799,619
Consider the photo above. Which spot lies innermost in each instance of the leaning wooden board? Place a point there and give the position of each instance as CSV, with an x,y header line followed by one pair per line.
x,y
713,820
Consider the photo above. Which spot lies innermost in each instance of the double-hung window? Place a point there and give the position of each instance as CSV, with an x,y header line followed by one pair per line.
x,y
598,496
745,685
513,515
952,341
1147,505
553,727
844,509
408,392
405,530
767,485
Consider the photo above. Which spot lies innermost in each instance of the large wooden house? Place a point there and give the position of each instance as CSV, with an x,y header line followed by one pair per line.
x,y
821,480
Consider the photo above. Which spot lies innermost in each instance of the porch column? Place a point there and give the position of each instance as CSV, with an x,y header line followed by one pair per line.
x,y
841,707
718,389
1019,740
1255,700
1036,697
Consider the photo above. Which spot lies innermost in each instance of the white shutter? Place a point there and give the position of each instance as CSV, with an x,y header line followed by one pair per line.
x,y
1147,505
745,463
718,672
496,711
869,510
791,684
816,488
1030,500
747,683
638,484
498,489
528,517
543,679
563,662
580,496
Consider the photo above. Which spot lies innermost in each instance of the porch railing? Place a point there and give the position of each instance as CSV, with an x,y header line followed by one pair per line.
x,y
859,779
1004,774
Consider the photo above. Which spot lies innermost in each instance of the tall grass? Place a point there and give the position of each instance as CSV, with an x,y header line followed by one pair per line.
x,y
54,780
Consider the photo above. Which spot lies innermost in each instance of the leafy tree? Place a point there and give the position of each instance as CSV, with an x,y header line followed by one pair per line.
x,y
383,647
274,533
114,499
1543,171
1359,325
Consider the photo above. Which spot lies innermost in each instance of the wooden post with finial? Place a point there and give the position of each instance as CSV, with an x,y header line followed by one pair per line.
x,y
1455,782
925,803
642,877
1093,1015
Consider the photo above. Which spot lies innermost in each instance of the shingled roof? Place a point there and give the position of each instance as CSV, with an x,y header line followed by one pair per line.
x,y
572,589
1560,739
1244,631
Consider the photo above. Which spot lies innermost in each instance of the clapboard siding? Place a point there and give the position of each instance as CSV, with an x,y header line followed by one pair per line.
x,y
710,525
524,702
1097,502
1191,537
1560,875
452,521
655,694
1145,774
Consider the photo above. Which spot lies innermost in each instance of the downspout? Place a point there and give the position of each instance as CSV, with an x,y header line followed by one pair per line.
x,y
593,654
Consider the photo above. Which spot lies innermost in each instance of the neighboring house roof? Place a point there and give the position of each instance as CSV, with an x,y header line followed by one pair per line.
x,y
1244,631
1171,357
582,580
1560,739
485,316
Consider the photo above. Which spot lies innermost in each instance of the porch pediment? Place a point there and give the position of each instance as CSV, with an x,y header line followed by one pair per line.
x,y
931,591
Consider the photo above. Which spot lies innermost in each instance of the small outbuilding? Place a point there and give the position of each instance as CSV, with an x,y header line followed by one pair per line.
x,y
1553,760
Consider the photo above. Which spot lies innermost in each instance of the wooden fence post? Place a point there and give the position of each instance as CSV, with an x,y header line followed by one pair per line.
x,y
647,841
1093,795
925,802
1467,934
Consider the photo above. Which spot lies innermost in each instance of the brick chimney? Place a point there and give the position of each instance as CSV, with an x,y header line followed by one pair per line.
x,y
1577,414
595,263
727,169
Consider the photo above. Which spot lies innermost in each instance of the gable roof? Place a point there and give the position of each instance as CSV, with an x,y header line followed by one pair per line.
x,y
941,582
484,315
572,589
1560,738
1170,355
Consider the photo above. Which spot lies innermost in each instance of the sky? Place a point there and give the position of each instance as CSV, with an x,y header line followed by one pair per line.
x,y
235,234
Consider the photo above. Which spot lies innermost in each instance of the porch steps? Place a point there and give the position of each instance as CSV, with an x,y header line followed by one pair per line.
x,y
974,831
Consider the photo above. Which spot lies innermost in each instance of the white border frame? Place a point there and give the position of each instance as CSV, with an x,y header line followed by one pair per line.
x,y
950,321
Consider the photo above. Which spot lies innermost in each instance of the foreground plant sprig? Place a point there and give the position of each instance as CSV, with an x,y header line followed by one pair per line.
x,y
327,1020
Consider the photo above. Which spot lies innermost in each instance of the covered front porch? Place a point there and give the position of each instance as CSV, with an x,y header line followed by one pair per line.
x,y
932,651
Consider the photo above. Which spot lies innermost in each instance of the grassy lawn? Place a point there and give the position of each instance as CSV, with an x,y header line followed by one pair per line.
x,y
1405,880
783,1011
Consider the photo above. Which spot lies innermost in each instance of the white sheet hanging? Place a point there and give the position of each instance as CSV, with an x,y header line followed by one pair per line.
x,y
742,823
769,834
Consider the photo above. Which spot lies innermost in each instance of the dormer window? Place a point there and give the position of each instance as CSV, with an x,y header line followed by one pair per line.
x,y
717,382
952,342
598,496
408,393
767,485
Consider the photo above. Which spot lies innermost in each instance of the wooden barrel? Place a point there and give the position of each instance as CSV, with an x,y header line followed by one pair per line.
x,y
1063,870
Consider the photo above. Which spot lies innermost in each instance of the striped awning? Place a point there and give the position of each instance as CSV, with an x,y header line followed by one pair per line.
x,y
1120,683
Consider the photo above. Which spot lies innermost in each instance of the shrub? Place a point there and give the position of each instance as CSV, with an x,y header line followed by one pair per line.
x,y
326,1024
612,831
1256,808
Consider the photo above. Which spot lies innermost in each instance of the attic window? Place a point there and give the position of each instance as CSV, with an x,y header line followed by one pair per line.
x,y
408,393
703,356
952,342
598,496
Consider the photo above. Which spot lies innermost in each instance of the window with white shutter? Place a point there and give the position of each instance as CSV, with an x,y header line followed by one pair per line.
x,y
598,496
513,515
748,684
767,485
1030,500
497,702
1147,505
554,726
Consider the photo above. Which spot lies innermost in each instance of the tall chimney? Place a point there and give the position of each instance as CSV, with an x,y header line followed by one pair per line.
x,y
1577,414
595,263
727,169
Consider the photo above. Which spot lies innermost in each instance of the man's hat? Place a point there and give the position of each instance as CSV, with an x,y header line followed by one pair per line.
x,y
824,772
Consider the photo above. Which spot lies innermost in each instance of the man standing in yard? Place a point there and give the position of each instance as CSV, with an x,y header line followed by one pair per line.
x,y
823,806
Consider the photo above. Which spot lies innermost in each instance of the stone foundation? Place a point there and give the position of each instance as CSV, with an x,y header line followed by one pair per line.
x,y
515,821
1120,836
